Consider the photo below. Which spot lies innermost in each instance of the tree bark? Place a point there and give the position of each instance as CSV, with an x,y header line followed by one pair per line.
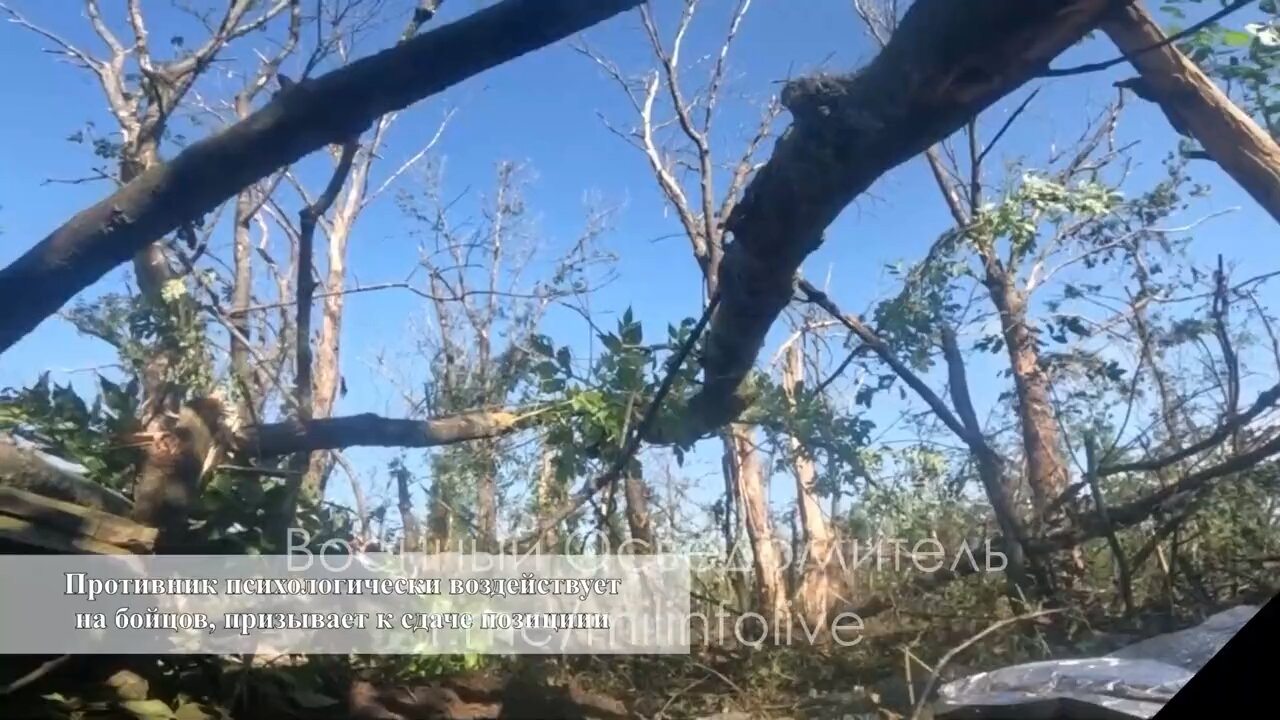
x,y
26,469
487,498
1041,441
637,493
547,498
412,540
439,517
241,297
304,483
755,511
1026,574
730,522
819,582
327,379
1196,107
310,115
369,430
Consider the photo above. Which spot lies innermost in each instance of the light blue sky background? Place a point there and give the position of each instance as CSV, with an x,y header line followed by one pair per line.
x,y
542,109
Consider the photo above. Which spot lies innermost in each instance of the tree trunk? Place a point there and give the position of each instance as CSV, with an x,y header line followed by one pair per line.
x,y
637,492
328,368
1042,444
1196,107
247,400
818,585
547,499
730,522
1024,568
241,296
1041,441
152,272
750,478
412,535
487,500
439,517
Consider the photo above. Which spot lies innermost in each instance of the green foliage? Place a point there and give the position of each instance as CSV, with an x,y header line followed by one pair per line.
x,y
1032,208
142,331
1243,54
833,439
58,421
908,321
600,408
1036,203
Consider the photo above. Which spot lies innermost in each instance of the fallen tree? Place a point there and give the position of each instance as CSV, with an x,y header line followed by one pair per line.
x,y
307,116
946,63
26,469
369,430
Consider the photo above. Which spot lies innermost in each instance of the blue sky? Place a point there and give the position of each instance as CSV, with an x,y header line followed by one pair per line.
x,y
542,109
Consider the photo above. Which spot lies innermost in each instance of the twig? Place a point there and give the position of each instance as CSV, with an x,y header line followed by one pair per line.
x,y
937,670
1265,400
674,696
637,437
720,675
44,669
1100,505
1197,27
261,471
1008,123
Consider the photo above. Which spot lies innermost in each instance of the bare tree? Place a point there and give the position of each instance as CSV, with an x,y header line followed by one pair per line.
x,y
484,316
701,211
143,92
311,115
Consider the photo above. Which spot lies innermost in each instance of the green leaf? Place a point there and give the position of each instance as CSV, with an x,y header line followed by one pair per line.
x,y
1235,38
632,334
611,343
542,345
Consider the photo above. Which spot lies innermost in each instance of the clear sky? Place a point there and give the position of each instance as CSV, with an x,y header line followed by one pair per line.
x,y
543,109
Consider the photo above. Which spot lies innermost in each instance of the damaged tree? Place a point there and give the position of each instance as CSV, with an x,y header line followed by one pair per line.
x,y
946,63
1195,106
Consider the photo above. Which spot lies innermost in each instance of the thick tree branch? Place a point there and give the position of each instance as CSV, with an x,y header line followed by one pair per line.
x,y
369,430
887,356
1265,400
312,114
1197,108
947,62
1166,498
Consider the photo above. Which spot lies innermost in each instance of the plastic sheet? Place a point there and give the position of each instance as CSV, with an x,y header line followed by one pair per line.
x,y
1133,687
1193,647
1133,682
